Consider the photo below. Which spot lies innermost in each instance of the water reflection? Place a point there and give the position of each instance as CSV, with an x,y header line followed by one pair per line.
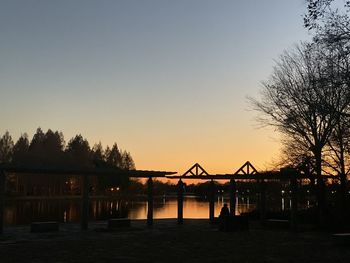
x,y
25,212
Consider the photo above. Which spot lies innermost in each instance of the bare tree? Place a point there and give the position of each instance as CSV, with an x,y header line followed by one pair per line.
x,y
331,27
303,102
320,12
297,156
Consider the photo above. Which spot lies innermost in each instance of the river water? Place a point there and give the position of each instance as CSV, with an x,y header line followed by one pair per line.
x,y
25,212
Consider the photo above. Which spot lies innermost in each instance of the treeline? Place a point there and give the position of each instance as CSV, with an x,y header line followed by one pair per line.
x,y
50,150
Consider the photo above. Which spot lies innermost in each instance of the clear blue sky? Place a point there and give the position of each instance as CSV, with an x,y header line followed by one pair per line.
x,y
167,80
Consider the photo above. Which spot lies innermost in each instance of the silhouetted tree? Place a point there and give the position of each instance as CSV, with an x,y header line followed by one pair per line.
x,y
329,25
98,154
338,157
53,146
106,153
114,157
48,150
320,12
79,153
297,156
20,150
331,28
36,149
6,148
127,161
304,102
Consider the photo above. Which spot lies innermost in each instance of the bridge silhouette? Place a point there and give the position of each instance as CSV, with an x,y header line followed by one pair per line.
x,y
246,172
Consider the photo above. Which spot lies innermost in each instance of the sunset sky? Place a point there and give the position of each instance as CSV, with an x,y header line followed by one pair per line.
x,y
166,80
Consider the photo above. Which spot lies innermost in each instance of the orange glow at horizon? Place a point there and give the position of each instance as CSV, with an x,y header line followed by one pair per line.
x,y
216,157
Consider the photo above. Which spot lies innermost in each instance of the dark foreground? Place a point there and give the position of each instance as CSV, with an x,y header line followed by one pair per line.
x,y
195,241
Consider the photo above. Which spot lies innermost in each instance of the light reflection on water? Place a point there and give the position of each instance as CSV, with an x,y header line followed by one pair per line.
x,y
25,212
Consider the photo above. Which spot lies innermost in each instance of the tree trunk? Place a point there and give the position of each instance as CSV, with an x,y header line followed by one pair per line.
x,y
320,188
343,186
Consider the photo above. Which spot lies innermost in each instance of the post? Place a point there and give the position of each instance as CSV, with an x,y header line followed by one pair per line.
x,y
232,197
180,189
211,201
294,199
2,197
85,203
150,201
262,202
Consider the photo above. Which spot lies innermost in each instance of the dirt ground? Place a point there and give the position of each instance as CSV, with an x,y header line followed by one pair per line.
x,y
194,241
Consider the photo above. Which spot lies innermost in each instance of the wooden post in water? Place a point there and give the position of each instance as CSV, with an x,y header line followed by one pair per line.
x,y
150,201
262,201
2,197
85,203
232,197
211,201
180,189
294,199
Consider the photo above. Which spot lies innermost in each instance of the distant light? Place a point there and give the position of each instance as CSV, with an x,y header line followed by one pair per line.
x,y
118,188
282,191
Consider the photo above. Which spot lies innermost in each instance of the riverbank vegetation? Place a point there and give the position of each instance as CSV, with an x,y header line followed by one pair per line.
x,y
49,150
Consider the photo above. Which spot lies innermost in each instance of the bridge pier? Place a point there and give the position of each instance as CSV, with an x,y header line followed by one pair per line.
x,y
211,201
180,189
150,201
232,197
